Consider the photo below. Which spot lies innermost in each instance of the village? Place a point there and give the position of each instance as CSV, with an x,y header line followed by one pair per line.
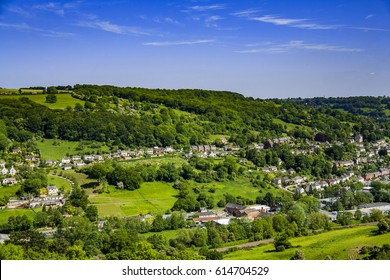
x,y
283,179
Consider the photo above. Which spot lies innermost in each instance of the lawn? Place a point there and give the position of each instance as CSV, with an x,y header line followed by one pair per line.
x,y
59,182
155,197
63,100
291,126
342,244
57,149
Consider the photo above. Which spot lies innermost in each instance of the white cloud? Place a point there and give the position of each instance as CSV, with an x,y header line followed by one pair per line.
x,y
212,21
369,16
208,8
56,7
297,45
26,28
18,10
293,22
177,43
245,13
113,28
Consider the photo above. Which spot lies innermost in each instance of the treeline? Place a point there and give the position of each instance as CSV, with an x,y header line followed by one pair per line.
x,y
151,118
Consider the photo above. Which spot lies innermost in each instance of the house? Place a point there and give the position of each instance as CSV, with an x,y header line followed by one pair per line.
x,y
68,166
260,208
12,171
4,171
369,176
9,181
52,190
98,158
88,157
80,164
277,181
49,162
65,160
234,209
76,158
17,151
29,158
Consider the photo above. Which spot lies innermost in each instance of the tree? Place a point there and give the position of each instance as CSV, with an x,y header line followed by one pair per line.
x,y
298,255
51,98
281,243
52,90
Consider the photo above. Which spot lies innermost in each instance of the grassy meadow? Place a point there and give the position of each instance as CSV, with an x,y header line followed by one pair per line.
x,y
342,244
6,213
63,99
154,197
57,149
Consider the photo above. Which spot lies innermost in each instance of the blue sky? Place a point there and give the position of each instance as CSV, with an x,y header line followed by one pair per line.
x,y
259,48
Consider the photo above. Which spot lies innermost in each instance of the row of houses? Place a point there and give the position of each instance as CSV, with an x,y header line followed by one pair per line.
x,y
232,211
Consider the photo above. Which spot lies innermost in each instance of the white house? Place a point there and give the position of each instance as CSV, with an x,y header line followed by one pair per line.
x,y
4,171
12,171
52,190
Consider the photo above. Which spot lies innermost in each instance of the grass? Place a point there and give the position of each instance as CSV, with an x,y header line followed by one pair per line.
x,y
59,182
57,149
9,191
178,161
155,197
291,126
63,100
168,234
6,213
342,244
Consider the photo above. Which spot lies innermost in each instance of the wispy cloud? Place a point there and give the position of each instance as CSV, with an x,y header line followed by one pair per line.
x,y
113,28
366,29
208,8
23,27
369,16
297,45
245,13
293,22
211,21
56,7
178,43
18,10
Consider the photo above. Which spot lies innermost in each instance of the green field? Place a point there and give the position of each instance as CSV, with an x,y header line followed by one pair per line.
x,y
178,161
9,191
62,148
63,100
59,182
155,197
340,244
6,213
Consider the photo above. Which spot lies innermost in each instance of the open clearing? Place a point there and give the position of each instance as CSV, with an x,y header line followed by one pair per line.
x,y
57,149
63,100
155,198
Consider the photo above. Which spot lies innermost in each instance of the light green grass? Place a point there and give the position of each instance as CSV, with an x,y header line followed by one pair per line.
x,y
9,191
156,161
6,213
291,126
63,148
63,100
155,197
241,186
340,244
59,182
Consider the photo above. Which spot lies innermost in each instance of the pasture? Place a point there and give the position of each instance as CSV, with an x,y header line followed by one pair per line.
x,y
154,198
64,100
57,149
